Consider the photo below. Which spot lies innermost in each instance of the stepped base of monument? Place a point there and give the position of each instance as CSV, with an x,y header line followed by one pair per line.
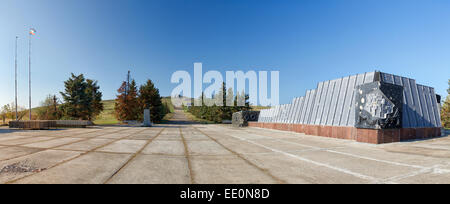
x,y
357,134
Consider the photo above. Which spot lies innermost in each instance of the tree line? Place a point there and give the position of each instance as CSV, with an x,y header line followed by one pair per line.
x,y
445,112
131,102
82,100
218,113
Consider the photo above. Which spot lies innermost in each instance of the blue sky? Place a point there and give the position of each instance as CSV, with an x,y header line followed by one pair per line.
x,y
307,41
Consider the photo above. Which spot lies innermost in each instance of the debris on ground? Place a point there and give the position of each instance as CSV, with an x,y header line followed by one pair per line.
x,y
20,167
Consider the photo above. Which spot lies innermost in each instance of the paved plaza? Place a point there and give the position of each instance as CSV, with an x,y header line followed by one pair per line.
x,y
183,153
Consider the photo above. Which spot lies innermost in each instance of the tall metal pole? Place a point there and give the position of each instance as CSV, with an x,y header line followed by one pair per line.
x,y
15,79
29,74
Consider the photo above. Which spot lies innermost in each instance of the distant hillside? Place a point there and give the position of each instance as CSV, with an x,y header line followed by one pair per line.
x,y
107,116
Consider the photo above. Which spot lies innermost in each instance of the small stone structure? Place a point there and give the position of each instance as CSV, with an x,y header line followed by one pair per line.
x,y
241,119
147,118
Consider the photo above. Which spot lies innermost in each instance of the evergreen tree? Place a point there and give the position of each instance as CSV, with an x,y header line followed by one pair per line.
x,y
82,98
95,98
445,112
127,103
75,98
149,98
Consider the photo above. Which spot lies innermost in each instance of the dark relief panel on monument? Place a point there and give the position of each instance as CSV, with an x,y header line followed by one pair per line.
x,y
379,105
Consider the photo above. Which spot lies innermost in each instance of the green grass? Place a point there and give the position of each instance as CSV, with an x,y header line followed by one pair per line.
x,y
167,101
199,120
107,116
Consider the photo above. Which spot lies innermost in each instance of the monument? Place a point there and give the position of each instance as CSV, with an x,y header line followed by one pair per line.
x,y
373,107
147,120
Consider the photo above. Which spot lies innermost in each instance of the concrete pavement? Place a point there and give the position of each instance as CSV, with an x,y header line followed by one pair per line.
x,y
183,152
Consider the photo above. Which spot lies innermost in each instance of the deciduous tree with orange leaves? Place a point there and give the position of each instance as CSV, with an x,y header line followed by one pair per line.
x,y
127,103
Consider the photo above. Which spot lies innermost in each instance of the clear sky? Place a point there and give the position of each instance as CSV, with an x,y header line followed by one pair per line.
x,y
307,41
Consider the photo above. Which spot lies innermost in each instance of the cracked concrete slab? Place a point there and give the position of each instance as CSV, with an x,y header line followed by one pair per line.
x,y
154,169
93,168
124,146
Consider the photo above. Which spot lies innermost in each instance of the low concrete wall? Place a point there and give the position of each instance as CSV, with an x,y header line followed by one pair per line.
x,y
33,125
357,134
49,124
73,123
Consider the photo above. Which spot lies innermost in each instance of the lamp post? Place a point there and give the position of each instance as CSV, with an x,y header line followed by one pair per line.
x,y
15,79
32,32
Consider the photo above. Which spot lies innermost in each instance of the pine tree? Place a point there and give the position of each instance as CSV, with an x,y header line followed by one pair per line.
x,y
127,104
149,98
75,98
95,98
82,98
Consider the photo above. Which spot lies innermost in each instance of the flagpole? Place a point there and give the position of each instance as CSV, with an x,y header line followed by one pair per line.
x,y
15,79
29,73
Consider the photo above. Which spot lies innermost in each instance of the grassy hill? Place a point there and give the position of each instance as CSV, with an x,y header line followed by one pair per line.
x,y
107,116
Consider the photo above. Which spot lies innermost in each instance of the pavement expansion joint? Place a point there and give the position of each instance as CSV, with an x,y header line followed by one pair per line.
x,y
265,171
133,156
65,161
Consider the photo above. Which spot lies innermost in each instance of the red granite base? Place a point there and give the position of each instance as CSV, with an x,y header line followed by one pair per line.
x,y
351,133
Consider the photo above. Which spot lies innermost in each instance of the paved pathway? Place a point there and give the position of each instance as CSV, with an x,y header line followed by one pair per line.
x,y
185,152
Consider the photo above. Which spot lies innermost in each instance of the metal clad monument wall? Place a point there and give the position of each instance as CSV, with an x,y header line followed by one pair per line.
x,y
333,103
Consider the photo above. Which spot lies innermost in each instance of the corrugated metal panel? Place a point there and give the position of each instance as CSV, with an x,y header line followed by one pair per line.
x,y
280,114
299,111
322,100
261,115
291,110
370,76
406,121
294,111
272,114
359,80
288,109
305,107
417,104
437,112
317,103
275,113
267,115
340,104
286,113
280,118
409,101
430,106
335,97
328,100
348,101
310,105
426,116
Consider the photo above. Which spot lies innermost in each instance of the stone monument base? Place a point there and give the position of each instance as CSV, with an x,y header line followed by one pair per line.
x,y
357,134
